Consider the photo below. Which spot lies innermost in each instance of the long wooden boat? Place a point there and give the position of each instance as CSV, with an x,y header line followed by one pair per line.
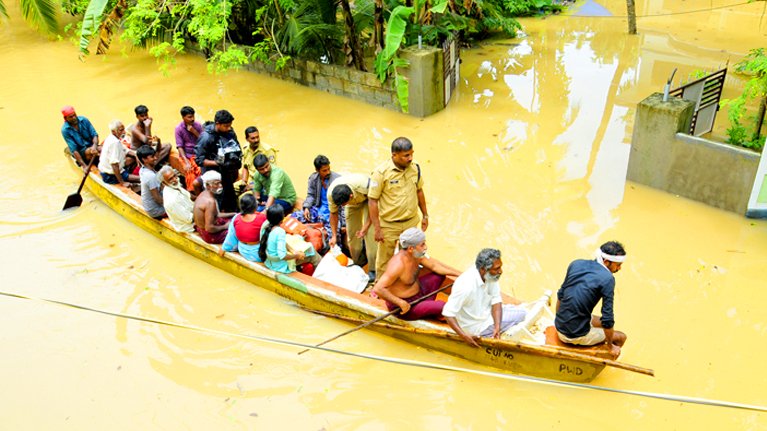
x,y
528,350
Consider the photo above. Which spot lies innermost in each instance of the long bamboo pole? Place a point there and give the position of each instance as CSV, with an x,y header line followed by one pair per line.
x,y
377,319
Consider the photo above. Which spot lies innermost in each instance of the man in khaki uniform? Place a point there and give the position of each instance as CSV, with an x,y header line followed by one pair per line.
x,y
351,192
395,195
249,153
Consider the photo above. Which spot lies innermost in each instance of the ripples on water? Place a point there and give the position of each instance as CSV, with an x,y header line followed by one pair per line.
x,y
529,157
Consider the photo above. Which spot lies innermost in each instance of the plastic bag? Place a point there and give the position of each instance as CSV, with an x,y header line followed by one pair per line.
x,y
350,277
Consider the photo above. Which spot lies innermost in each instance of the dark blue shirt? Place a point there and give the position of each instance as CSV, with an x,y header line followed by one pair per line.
x,y
81,138
585,284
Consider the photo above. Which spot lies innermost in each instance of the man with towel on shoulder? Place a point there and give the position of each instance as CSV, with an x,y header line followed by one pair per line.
x,y
400,284
586,282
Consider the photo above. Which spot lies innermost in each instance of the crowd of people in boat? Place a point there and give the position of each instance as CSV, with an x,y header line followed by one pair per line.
x,y
239,197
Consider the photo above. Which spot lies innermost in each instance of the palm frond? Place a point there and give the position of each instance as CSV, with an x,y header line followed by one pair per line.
x,y
41,14
3,12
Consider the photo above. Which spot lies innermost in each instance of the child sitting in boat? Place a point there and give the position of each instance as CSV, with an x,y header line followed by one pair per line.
x,y
244,231
273,249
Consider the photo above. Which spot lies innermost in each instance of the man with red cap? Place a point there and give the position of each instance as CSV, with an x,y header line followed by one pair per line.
x,y
80,136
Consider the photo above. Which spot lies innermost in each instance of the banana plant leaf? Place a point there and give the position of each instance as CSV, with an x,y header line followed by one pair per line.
x,y
91,21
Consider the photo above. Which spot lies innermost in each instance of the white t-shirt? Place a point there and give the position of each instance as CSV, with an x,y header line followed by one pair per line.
x,y
471,301
113,151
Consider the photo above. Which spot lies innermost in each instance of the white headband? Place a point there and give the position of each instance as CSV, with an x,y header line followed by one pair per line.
x,y
602,257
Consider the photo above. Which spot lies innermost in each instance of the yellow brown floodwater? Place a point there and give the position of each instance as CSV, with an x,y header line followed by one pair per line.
x,y
529,157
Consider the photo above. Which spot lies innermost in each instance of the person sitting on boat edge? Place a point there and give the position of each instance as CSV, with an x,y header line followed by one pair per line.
x,y
475,308
275,182
208,222
81,137
400,284
244,233
586,282
348,201
141,134
273,249
112,159
316,206
151,197
176,200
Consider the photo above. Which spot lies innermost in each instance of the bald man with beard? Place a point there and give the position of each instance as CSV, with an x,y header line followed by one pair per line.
x,y
208,221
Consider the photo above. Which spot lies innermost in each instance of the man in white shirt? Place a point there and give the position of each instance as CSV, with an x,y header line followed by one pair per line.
x,y
112,161
475,308
177,201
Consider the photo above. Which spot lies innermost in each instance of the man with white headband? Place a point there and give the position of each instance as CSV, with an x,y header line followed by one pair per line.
x,y
208,222
401,284
586,282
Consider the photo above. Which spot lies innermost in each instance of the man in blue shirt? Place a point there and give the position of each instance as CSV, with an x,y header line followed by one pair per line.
x,y
80,136
586,282
316,207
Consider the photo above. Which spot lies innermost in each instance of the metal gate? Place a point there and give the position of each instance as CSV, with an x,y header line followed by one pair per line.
x,y
451,61
706,93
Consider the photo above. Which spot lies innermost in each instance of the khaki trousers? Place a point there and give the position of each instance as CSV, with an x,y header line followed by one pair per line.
x,y
355,219
391,232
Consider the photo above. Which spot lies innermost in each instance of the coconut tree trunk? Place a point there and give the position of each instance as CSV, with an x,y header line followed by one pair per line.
x,y
354,55
632,14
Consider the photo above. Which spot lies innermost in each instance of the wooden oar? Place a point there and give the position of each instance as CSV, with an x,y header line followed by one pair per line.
x,y
75,200
379,318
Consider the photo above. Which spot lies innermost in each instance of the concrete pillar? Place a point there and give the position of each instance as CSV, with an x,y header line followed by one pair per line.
x,y
652,144
426,80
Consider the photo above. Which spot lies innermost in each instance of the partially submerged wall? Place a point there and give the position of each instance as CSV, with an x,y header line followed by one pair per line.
x,y
662,157
333,79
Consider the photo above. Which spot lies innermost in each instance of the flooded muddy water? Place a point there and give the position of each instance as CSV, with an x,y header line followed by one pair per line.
x,y
530,157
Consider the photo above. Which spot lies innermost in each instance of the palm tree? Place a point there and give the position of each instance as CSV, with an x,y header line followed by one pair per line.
x,y
40,14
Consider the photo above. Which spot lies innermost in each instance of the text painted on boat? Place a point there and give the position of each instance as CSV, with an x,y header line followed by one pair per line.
x,y
498,353
566,369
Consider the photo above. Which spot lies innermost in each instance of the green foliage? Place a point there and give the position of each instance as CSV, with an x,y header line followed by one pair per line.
x,y
90,23
755,66
305,32
209,23
41,14
387,62
74,7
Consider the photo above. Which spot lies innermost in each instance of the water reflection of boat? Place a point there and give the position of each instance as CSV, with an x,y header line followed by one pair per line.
x,y
525,351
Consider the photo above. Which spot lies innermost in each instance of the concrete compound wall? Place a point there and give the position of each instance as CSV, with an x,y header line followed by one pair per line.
x,y
339,80
663,157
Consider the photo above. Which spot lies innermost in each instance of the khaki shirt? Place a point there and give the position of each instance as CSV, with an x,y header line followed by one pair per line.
x,y
396,191
248,155
358,183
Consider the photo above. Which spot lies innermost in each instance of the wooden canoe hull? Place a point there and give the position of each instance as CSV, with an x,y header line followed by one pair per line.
x,y
315,295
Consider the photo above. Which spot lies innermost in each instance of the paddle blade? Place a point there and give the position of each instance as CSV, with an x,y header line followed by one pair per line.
x,y
73,200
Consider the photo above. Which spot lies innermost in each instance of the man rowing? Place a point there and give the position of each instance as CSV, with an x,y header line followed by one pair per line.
x,y
586,282
475,308
400,283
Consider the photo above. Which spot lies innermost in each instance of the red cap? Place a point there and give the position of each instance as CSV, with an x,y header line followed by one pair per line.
x,y
67,111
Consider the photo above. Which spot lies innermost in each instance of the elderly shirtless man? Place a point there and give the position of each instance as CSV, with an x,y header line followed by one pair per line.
x,y
400,285
208,222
